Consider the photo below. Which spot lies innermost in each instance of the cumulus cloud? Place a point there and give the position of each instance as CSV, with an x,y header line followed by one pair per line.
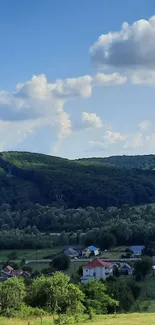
x,y
109,138
144,125
37,103
75,87
91,120
103,79
132,46
112,137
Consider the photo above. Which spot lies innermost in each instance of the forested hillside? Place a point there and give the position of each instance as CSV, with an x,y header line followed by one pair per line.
x,y
139,162
60,182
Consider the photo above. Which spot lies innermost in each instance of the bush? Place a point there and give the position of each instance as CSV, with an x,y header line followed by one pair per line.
x,y
60,262
27,311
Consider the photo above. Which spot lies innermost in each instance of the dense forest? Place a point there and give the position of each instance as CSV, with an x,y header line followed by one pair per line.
x,y
86,202
139,162
64,183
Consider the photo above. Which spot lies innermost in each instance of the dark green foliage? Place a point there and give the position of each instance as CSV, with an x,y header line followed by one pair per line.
x,y
60,262
135,288
17,239
61,182
122,292
116,272
129,162
142,267
12,256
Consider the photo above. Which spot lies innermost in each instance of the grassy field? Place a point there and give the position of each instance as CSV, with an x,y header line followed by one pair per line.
x,y
114,253
29,254
128,319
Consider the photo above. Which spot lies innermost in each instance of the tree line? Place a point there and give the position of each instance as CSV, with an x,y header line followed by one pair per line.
x,y
57,296
32,224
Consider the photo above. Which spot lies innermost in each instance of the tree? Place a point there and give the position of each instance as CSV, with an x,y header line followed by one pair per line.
x,y
107,240
60,262
97,297
55,294
135,288
116,271
12,293
142,267
120,291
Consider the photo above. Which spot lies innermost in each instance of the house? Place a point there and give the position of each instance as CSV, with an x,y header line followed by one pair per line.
x,y
71,252
126,269
91,250
96,269
9,272
137,250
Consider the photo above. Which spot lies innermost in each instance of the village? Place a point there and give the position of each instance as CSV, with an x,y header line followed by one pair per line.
x,y
93,263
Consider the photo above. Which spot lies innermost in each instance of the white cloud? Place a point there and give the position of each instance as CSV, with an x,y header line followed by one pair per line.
x,y
37,103
75,87
109,79
112,137
144,125
91,120
65,125
131,47
135,141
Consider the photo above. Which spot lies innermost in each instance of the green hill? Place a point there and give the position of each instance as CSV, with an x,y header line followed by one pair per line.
x,y
45,179
139,162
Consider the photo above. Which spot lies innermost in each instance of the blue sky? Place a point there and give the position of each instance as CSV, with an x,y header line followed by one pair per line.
x,y
76,81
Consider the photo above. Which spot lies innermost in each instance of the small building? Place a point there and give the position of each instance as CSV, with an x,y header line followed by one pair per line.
x,y
126,269
90,250
71,252
9,272
96,269
137,250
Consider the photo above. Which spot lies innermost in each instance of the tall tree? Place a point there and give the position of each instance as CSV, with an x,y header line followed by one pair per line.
x,y
12,293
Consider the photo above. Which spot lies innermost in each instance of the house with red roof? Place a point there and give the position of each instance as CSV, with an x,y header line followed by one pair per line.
x,y
96,269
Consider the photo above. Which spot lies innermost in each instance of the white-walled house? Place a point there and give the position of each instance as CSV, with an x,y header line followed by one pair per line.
x,y
96,269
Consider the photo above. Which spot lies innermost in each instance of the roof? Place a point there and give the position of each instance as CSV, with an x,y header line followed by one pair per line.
x,y
137,249
8,268
70,251
16,272
126,266
97,263
93,248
